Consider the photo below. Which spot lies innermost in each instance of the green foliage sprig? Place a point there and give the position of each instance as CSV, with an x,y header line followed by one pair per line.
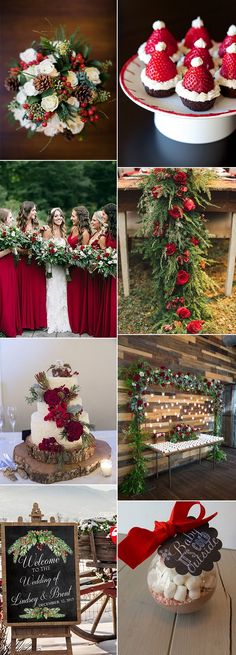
x,y
39,539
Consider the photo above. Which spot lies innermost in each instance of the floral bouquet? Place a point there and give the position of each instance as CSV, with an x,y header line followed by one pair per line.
x,y
107,262
48,253
83,256
57,86
12,238
183,433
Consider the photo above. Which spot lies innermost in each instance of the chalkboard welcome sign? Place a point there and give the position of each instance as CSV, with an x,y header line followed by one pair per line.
x,y
40,574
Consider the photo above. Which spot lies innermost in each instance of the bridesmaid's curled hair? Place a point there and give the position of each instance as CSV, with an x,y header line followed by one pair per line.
x,y
110,211
51,217
23,215
4,214
82,214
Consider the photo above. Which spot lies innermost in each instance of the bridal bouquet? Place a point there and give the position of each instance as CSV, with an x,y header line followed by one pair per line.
x,y
57,86
107,262
50,254
101,261
83,256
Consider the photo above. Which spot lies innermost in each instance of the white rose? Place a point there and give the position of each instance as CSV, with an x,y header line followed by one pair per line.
x,y
52,58
73,101
28,55
75,125
19,114
46,67
21,97
50,103
31,71
93,74
30,89
54,126
72,78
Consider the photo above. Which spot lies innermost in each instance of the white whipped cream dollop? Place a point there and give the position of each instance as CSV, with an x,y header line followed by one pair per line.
x,y
160,46
158,25
200,43
223,81
193,95
231,49
196,61
155,85
232,30
197,22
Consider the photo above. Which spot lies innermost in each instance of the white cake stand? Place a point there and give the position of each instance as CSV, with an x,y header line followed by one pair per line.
x,y
172,118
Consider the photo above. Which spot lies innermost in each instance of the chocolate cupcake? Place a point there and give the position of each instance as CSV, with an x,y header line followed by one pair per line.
x,y
197,89
159,78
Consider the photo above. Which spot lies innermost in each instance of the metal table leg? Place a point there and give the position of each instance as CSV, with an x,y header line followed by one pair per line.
x,y
169,464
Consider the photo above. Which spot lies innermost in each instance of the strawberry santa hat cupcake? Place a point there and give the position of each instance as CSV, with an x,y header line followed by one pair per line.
x,y
199,50
160,77
228,40
196,31
226,76
197,89
160,33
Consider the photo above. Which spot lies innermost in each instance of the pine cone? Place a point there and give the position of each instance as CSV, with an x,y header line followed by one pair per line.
x,y
84,93
11,83
43,82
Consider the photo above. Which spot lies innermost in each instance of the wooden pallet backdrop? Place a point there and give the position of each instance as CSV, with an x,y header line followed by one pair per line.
x,y
205,355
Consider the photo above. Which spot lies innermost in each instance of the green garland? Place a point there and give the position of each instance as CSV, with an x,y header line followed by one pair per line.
x,y
42,613
138,378
39,538
175,241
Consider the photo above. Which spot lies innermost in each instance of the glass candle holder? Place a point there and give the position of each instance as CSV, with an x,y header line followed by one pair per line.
x,y
106,467
177,593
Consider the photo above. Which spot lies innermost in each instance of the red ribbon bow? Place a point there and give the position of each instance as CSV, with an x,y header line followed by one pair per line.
x,y
141,543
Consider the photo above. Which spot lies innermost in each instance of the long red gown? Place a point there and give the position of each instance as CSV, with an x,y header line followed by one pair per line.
x,y
108,311
32,294
10,323
77,294
94,297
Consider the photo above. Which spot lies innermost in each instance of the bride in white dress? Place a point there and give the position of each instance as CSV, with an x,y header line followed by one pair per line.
x,y
57,310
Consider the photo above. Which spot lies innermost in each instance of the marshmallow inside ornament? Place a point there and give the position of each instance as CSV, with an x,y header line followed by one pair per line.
x,y
179,593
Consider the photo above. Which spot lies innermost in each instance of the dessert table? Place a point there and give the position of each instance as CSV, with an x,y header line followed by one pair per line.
x,y
169,449
145,627
223,199
8,441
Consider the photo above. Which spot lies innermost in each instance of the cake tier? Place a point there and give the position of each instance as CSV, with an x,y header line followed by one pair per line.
x,y
41,429
81,453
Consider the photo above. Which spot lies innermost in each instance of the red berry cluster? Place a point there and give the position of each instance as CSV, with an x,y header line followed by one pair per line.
x,y
88,114
78,61
173,304
50,445
37,60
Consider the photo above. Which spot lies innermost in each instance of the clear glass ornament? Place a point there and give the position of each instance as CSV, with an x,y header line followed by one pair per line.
x,y
179,593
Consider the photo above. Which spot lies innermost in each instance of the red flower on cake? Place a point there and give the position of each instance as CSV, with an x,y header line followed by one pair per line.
x,y
180,177
194,241
183,312
74,430
170,249
182,277
194,327
189,204
176,212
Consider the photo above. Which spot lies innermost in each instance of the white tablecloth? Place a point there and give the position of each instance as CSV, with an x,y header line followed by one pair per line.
x,y
8,441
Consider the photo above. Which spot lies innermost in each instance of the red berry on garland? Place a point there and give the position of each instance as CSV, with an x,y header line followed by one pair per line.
x,y
182,277
25,105
189,204
176,212
170,249
194,241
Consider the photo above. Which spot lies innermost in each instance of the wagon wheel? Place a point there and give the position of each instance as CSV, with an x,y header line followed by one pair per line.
x,y
103,591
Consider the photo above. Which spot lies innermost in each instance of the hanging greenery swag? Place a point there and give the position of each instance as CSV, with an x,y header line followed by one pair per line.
x,y
176,244
139,377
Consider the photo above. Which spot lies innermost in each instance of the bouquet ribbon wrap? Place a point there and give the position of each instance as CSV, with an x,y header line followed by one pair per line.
x,y
141,543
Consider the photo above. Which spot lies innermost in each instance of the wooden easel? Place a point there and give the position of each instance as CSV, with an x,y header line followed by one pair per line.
x,y
47,632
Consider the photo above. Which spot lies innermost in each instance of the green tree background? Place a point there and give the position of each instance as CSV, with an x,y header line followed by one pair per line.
x,y
64,184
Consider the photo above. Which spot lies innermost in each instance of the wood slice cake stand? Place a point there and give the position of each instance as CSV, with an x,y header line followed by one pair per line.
x,y
49,473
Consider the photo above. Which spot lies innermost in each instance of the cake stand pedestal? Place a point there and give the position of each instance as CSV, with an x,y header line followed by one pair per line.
x,y
44,473
189,130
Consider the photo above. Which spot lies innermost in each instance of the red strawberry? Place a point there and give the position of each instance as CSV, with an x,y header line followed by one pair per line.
x,y
197,31
198,78
160,67
161,33
199,50
228,40
228,68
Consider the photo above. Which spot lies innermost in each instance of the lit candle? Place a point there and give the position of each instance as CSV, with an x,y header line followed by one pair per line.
x,y
106,467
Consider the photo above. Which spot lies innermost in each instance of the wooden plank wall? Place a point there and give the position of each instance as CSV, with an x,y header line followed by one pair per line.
x,y
205,355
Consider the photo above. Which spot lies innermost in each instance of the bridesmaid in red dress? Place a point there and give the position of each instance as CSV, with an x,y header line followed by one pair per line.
x,y
31,277
96,280
109,299
78,286
10,324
